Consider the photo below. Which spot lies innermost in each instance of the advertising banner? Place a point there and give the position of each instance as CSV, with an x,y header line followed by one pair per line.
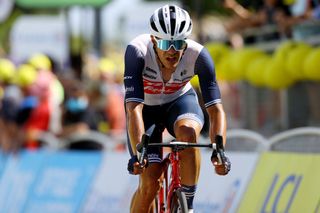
x,y
47,181
114,187
3,160
284,182
222,194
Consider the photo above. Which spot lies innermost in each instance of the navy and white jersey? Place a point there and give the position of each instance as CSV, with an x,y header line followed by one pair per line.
x,y
143,79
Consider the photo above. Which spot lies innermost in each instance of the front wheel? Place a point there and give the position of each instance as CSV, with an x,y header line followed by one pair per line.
x,y
179,202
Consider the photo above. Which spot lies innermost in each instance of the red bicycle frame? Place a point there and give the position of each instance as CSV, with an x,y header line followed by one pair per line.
x,y
168,189
166,192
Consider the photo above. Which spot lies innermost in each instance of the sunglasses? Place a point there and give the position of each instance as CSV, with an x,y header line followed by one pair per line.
x,y
165,45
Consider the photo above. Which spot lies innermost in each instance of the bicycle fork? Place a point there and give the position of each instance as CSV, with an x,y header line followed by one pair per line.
x,y
175,180
162,195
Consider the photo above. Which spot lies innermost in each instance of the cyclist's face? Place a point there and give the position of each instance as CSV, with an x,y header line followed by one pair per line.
x,y
169,58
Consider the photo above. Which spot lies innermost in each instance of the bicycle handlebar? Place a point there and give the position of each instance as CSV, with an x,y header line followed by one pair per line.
x,y
217,147
182,145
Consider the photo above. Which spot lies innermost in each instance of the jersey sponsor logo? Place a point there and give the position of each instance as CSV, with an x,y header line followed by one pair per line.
x,y
183,72
149,76
154,87
129,89
127,77
151,70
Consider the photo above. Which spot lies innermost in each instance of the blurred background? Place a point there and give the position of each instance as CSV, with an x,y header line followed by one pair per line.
x,y
61,67
62,62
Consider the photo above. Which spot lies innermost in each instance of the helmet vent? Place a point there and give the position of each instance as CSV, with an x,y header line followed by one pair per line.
x,y
153,25
173,26
182,26
161,21
172,20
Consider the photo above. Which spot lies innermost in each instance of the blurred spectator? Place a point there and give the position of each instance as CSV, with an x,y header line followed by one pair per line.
x,y
49,85
33,113
305,9
78,116
9,103
114,96
315,12
272,12
305,19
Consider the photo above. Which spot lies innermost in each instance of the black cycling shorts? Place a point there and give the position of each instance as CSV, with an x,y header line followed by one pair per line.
x,y
165,116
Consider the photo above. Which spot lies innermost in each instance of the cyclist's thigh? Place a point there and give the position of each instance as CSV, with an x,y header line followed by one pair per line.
x,y
152,115
185,107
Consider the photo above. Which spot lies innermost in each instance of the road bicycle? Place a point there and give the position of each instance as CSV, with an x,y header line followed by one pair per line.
x,y
171,198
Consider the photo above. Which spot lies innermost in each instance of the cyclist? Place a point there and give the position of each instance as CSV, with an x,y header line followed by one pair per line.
x,y
158,68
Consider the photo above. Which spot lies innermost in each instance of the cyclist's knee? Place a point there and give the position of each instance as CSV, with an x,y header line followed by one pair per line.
x,y
186,133
187,130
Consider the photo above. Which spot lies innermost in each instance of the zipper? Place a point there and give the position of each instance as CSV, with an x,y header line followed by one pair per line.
x,y
163,87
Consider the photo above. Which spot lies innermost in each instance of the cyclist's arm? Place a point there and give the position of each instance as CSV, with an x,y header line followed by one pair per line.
x,y
135,124
134,96
210,91
218,122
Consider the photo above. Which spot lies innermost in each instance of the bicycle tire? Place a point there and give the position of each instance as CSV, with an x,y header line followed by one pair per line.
x,y
179,202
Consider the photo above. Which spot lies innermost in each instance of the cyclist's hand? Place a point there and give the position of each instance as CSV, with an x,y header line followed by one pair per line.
x,y
221,169
134,167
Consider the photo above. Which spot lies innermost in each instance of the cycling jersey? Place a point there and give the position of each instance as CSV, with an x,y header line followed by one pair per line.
x,y
143,79
165,116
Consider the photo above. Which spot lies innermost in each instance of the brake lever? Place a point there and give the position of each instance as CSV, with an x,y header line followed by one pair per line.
x,y
142,149
220,149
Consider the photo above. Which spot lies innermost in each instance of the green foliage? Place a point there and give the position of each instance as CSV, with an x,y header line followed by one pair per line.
x,y
202,7
5,28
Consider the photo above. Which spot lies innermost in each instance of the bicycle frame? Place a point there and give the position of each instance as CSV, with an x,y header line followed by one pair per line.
x,y
165,194
172,159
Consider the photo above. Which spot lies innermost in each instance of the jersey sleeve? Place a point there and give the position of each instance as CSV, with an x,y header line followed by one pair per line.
x,y
205,70
133,81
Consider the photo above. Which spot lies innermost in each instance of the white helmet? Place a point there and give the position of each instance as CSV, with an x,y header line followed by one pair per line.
x,y
170,22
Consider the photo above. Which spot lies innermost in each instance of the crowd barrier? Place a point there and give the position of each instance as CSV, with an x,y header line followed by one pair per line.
x,y
262,179
47,181
284,182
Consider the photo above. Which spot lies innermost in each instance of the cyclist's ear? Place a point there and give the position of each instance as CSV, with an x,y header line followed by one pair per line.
x,y
153,40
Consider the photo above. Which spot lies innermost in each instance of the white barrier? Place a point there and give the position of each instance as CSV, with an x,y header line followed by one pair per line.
x,y
99,181
217,194
302,139
113,187
246,140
